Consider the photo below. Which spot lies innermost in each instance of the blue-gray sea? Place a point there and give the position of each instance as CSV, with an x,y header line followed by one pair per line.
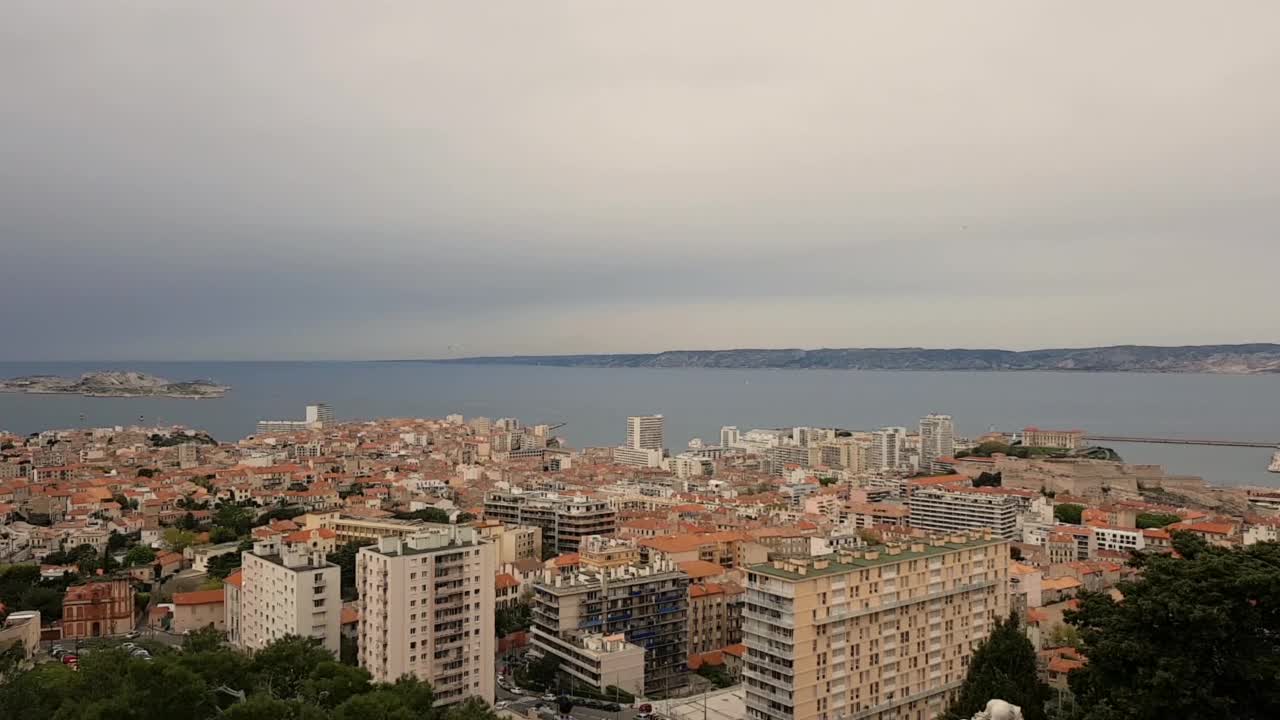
x,y
696,402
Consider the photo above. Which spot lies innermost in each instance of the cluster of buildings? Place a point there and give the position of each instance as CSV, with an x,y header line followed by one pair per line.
x,y
830,573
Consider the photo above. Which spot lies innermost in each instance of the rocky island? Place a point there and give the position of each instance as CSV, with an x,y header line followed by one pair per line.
x,y
114,384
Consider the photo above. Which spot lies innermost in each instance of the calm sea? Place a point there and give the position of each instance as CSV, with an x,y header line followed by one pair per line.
x,y
595,402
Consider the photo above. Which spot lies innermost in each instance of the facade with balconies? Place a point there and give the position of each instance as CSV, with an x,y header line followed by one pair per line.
x,y
643,605
879,633
428,611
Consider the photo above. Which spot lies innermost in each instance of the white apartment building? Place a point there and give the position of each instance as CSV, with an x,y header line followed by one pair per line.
x,y
645,432
286,587
1121,539
937,440
958,509
885,452
729,436
637,457
428,611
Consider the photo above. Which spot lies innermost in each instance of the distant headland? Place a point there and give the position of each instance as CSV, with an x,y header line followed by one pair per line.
x,y
114,384
1251,359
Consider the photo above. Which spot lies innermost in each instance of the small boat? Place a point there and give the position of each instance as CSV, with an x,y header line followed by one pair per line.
x,y
1275,463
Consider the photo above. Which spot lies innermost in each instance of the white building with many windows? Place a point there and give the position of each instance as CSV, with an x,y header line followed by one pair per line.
x,y
428,611
287,587
953,509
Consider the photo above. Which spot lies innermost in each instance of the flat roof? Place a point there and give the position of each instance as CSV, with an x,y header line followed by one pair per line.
x,y
861,563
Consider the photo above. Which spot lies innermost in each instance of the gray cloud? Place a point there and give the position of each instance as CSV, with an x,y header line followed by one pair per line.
x,y
397,179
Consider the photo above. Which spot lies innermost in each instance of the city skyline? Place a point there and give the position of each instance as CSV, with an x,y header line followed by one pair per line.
x,y
208,182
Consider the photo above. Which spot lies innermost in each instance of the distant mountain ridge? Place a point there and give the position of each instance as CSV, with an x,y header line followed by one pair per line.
x,y
1248,359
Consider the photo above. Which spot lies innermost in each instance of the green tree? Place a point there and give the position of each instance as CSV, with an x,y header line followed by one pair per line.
x,y
284,665
204,640
146,472
1196,637
1003,667
1064,636
464,518
139,555
1069,513
1155,520
234,518
513,619
345,558
431,515
717,675
330,684
45,599
178,539
219,534
223,565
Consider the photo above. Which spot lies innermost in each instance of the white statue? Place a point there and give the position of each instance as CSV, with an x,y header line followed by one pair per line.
x,y
999,710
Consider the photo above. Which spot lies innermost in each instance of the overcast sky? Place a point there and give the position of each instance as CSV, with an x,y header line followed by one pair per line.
x,y
227,180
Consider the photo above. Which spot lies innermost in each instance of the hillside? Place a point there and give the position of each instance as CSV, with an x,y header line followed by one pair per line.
x,y
1250,359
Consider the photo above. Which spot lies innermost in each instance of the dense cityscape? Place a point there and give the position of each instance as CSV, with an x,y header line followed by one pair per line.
x,y
807,573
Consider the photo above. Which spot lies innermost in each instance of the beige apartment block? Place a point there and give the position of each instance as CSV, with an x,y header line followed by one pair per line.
x,y
880,633
428,611
511,542
286,588
351,528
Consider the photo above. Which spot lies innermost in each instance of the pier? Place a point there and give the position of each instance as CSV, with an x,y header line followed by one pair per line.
x,y
1181,441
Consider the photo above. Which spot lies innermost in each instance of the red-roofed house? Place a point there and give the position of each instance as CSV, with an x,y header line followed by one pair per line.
x,y
200,609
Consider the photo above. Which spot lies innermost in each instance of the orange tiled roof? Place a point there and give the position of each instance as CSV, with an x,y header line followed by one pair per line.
x,y
199,597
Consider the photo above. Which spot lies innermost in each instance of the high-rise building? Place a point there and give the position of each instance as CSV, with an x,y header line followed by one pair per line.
x,y
885,452
644,432
288,587
958,509
564,519
729,436
320,413
937,441
428,611
644,606
881,633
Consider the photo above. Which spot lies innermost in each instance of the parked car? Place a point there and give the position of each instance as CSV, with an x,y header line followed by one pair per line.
x,y
70,659
549,697
517,691
129,646
502,705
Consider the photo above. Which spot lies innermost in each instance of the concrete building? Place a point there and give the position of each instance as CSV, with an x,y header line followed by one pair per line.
x,y
428,611
729,436
350,528
885,452
845,453
715,616
563,519
511,543
642,605
637,457
99,608
645,432
287,587
1062,439
197,610
883,633
949,509
780,456
937,441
